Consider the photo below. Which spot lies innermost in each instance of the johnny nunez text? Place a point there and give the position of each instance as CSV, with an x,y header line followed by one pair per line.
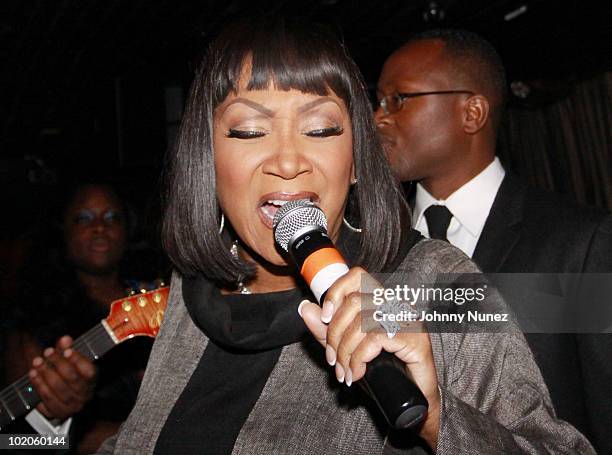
x,y
435,316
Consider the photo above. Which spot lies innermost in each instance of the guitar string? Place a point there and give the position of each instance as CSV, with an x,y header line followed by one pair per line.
x,y
94,334
13,393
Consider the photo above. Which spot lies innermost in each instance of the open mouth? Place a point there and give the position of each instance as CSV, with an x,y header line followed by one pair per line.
x,y
270,203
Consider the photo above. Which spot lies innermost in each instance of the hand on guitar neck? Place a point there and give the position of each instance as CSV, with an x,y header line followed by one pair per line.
x,y
61,380
60,376
64,380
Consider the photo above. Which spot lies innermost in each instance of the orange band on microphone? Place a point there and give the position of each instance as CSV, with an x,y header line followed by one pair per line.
x,y
318,260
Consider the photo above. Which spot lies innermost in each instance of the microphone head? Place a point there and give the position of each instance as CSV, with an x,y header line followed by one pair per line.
x,y
293,217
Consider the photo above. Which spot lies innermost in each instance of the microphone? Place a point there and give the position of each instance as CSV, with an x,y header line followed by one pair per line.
x,y
300,229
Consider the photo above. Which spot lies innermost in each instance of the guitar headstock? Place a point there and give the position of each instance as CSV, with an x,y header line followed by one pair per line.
x,y
138,315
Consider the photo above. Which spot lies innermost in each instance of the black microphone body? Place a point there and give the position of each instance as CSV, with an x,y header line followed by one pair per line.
x,y
386,380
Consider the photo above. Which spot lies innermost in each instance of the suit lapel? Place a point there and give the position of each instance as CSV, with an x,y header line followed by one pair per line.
x,y
502,228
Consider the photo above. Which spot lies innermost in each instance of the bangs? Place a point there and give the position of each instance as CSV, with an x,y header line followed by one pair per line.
x,y
284,54
285,60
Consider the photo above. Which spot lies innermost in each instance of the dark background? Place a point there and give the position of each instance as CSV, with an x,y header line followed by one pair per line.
x,y
97,86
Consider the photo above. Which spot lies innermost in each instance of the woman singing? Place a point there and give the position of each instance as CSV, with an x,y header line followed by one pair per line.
x,y
279,112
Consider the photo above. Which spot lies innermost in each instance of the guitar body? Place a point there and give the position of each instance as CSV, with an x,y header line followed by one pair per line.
x,y
138,315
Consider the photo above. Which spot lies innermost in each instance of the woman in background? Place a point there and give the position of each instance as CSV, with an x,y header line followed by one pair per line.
x,y
65,289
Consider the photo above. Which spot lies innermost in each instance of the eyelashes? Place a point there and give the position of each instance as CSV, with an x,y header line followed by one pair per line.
x,y
325,132
244,134
319,132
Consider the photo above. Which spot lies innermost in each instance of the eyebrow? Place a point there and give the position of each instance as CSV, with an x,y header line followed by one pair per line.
x,y
315,103
270,113
252,104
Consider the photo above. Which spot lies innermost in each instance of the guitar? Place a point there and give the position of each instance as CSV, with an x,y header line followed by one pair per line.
x,y
135,315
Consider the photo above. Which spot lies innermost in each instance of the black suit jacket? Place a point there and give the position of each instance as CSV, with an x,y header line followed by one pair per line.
x,y
530,230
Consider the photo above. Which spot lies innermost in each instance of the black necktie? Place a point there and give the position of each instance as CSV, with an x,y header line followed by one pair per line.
x,y
438,218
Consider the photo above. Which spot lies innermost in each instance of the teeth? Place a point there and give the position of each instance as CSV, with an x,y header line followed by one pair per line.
x,y
277,202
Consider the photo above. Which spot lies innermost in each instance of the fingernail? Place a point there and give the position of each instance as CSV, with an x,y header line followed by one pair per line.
x,y
349,377
32,374
67,352
390,335
38,361
330,355
328,312
339,373
47,352
302,303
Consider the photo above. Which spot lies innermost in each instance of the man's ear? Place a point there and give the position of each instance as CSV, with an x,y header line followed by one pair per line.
x,y
475,114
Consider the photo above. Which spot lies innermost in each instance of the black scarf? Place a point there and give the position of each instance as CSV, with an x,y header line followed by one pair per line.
x,y
262,321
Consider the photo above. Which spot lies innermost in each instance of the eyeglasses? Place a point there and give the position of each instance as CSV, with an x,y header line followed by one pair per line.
x,y
390,104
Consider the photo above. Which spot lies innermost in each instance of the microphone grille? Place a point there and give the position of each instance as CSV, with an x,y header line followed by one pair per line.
x,y
293,216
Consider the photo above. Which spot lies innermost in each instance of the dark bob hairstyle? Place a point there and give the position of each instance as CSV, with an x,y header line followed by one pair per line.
x,y
288,55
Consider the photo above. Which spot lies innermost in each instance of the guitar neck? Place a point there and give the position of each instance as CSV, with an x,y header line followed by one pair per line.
x,y
20,397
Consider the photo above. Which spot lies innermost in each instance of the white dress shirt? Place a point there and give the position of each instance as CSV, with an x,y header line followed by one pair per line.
x,y
470,206
43,426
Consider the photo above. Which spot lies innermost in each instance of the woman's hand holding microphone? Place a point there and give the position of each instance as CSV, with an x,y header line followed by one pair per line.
x,y
349,346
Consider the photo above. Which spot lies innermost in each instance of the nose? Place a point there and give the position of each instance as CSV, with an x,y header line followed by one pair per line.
x,y
379,113
380,117
288,160
98,224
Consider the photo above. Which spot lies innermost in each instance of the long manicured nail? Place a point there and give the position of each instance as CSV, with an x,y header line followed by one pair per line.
x,y
349,377
302,303
330,355
339,373
328,312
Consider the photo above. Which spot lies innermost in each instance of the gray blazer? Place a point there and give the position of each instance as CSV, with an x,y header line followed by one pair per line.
x,y
494,400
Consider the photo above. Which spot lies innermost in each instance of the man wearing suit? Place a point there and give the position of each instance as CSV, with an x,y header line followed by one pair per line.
x,y
441,98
